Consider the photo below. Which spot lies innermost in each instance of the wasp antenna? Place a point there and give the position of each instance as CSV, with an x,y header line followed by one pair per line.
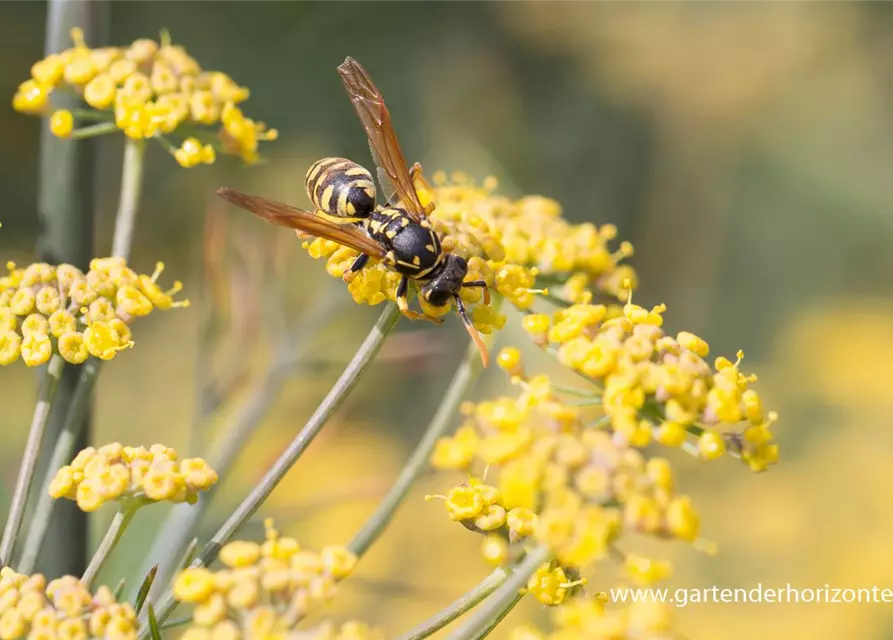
x,y
475,336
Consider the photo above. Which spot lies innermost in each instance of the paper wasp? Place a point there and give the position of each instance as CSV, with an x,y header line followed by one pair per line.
x,y
398,234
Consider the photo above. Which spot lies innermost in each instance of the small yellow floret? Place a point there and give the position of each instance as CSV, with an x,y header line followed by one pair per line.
x,y
62,123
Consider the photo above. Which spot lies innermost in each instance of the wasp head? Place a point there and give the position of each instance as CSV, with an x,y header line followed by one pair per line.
x,y
447,281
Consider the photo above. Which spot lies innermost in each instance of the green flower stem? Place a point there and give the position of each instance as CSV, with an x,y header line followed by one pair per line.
x,y
166,144
93,115
67,200
131,185
46,395
463,604
479,624
590,402
558,302
109,542
93,130
62,453
575,391
494,622
463,380
339,392
179,527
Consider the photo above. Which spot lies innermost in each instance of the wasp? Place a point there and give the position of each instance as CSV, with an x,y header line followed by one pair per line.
x,y
397,234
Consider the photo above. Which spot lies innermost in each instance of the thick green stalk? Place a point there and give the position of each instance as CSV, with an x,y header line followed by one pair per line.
x,y
45,399
109,542
336,396
63,451
464,603
66,205
497,606
179,527
462,382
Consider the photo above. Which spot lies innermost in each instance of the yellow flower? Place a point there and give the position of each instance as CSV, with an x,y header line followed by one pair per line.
x,y
46,310
550,586
32,97
62,123
240,554
266,590
193,585
338,561
131,475
64,608
146,89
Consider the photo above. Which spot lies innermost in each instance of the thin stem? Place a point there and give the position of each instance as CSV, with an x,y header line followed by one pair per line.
x,y
93,131
557,301
93,116
45,399
62,452
179,526
573,391
462,382
336,396
131,185
166,144
464,603
499,617
495,608
109,542
589,402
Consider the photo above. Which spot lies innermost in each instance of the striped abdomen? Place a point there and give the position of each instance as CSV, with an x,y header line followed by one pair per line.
x,y
340,187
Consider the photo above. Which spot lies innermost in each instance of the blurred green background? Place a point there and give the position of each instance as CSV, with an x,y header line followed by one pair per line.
x,y
744,149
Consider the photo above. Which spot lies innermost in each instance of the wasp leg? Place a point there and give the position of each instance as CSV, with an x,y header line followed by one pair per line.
x,y
482,285
475,336
415,173
403,304
355,268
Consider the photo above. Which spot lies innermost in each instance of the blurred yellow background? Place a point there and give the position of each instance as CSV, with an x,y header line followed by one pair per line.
x,y
744,149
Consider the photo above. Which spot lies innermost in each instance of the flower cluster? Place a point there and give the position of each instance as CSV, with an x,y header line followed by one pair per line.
x,y
265,590
64,608
571,476
508,243
131,475
46,309
588,619
657,386
147,90
559,481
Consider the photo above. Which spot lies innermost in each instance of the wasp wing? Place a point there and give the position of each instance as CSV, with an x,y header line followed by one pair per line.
x,y
286,216
370,107
421,185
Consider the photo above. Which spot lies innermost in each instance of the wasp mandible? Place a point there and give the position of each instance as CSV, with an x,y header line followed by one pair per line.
x,y
398,234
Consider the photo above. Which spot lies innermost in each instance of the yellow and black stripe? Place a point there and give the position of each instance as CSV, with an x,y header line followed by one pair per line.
x,y
340,189
413,247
